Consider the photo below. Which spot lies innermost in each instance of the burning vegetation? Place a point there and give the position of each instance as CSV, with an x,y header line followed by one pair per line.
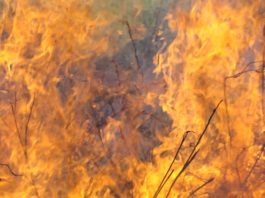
x,y
136,98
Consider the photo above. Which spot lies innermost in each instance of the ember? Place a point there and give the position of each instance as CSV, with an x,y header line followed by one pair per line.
x,y
137,98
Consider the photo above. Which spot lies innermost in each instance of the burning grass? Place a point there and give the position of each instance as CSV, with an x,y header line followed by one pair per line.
x,y
96,102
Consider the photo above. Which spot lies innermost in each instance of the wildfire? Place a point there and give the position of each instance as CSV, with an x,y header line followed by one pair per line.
x,y
96,102
207,61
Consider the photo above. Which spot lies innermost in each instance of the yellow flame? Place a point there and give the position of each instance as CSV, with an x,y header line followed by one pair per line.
x,y
215,40
50,146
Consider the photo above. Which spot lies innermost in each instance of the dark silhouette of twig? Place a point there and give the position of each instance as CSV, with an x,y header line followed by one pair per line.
x,y
13,110
194,151
255,164
168,173
236,164
25,144
10,170
134,47
234,76
165,179
205,129
244,71
157,23
185,166
263,80
262,90
196,176
201,186
27,126
26,140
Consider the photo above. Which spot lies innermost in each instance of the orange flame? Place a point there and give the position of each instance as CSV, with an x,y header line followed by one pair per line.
x,y
76,125
205,63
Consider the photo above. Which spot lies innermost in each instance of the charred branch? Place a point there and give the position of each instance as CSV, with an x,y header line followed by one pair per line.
x,y
27,126
204,130
13,110
263,80
255,164
200,187
10,170
25,144
245,70
194,151
169,171
134,47
236,164
185,166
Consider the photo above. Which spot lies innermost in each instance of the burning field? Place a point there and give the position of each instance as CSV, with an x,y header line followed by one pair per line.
x,y
135,98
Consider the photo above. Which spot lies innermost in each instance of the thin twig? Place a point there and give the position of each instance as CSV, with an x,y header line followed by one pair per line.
x,y
25,145
134,46
200,187
185,166
27,126
234,76
255,164
194,151
205,129
263,80
166,177
10,170
157,23
13,110
236,164
196,176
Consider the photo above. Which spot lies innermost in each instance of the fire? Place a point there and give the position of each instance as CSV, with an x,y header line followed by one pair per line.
x,y
214,42
96,104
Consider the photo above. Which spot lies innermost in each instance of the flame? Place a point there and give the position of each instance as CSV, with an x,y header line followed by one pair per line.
x,y
76,122
42,42
214,42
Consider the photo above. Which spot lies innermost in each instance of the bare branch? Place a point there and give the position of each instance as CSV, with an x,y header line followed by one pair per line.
x,y
200,187
134,46
194,151
10,170
234,76
255,163
168,173
13,110
262,78
185,166
27,126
